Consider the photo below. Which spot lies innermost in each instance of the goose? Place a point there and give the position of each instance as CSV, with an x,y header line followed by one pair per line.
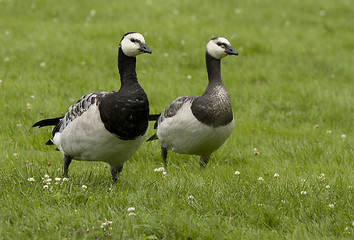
x,y
106,126
199,125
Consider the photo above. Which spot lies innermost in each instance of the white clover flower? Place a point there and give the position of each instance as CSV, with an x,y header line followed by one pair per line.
x,y
84,187
322,177
45,187
189,76
255,149
131,209
58,179
65,179
276,175
160,169
237,173
42,64
260,179
19,125
16,155
106,223
303,192
93,12
282,201
343,136
190,197
328,187
260,204
46,176
32,96
331,205
31,179
329,131
132,214
303,180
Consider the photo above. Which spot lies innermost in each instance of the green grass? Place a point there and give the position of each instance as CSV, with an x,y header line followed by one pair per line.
x,y
295,70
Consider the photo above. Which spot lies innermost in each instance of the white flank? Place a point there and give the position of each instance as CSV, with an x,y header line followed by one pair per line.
x,y
183,133
86,138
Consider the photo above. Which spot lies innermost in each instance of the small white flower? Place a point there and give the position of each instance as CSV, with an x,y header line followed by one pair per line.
x,y
160,169
303,192
93,12
19,125
331,205
58,179
190,197
42,64
328,187
353,224
329,131
322,177
131,209
282,201
45,187
237,173
84,187
276,175
131,214
260,204
106,223
16,155
32,96
343,136
255,149
260,179
65,179
31,179
350,187
46,176
189,77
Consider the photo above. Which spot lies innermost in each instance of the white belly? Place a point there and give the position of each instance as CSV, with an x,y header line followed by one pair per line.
x,y
183,133
87,139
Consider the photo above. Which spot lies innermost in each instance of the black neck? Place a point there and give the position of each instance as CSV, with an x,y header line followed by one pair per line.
x,y
126,66
214,72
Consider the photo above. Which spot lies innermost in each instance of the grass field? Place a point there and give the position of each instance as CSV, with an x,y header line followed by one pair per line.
x,y
291,89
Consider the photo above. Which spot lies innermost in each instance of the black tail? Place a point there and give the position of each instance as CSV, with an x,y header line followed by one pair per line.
x,y
47,122
152,138
154,117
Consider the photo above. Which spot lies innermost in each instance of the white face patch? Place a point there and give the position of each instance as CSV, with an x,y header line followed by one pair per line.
x,y
130,44
215,47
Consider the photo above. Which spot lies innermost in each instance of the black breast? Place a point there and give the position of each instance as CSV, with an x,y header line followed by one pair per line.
x,y
213,108
125,113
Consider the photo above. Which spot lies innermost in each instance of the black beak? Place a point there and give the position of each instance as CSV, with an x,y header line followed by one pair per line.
x,y
229,50
143,48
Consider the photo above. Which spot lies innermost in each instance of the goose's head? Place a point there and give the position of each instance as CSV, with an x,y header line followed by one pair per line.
x,y
219,47
133,44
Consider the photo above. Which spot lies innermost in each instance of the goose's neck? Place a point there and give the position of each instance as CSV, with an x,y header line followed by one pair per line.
x,y
214,72
126,67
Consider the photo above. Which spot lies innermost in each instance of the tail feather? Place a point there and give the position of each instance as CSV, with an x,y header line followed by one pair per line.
x,y
47,122
152,138
154,117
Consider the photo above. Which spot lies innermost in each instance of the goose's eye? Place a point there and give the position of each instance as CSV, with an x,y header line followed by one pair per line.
x,y
132,40
219,44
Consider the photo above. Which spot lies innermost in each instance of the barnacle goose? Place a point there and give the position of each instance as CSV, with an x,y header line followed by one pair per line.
x,y
106,126
199,125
